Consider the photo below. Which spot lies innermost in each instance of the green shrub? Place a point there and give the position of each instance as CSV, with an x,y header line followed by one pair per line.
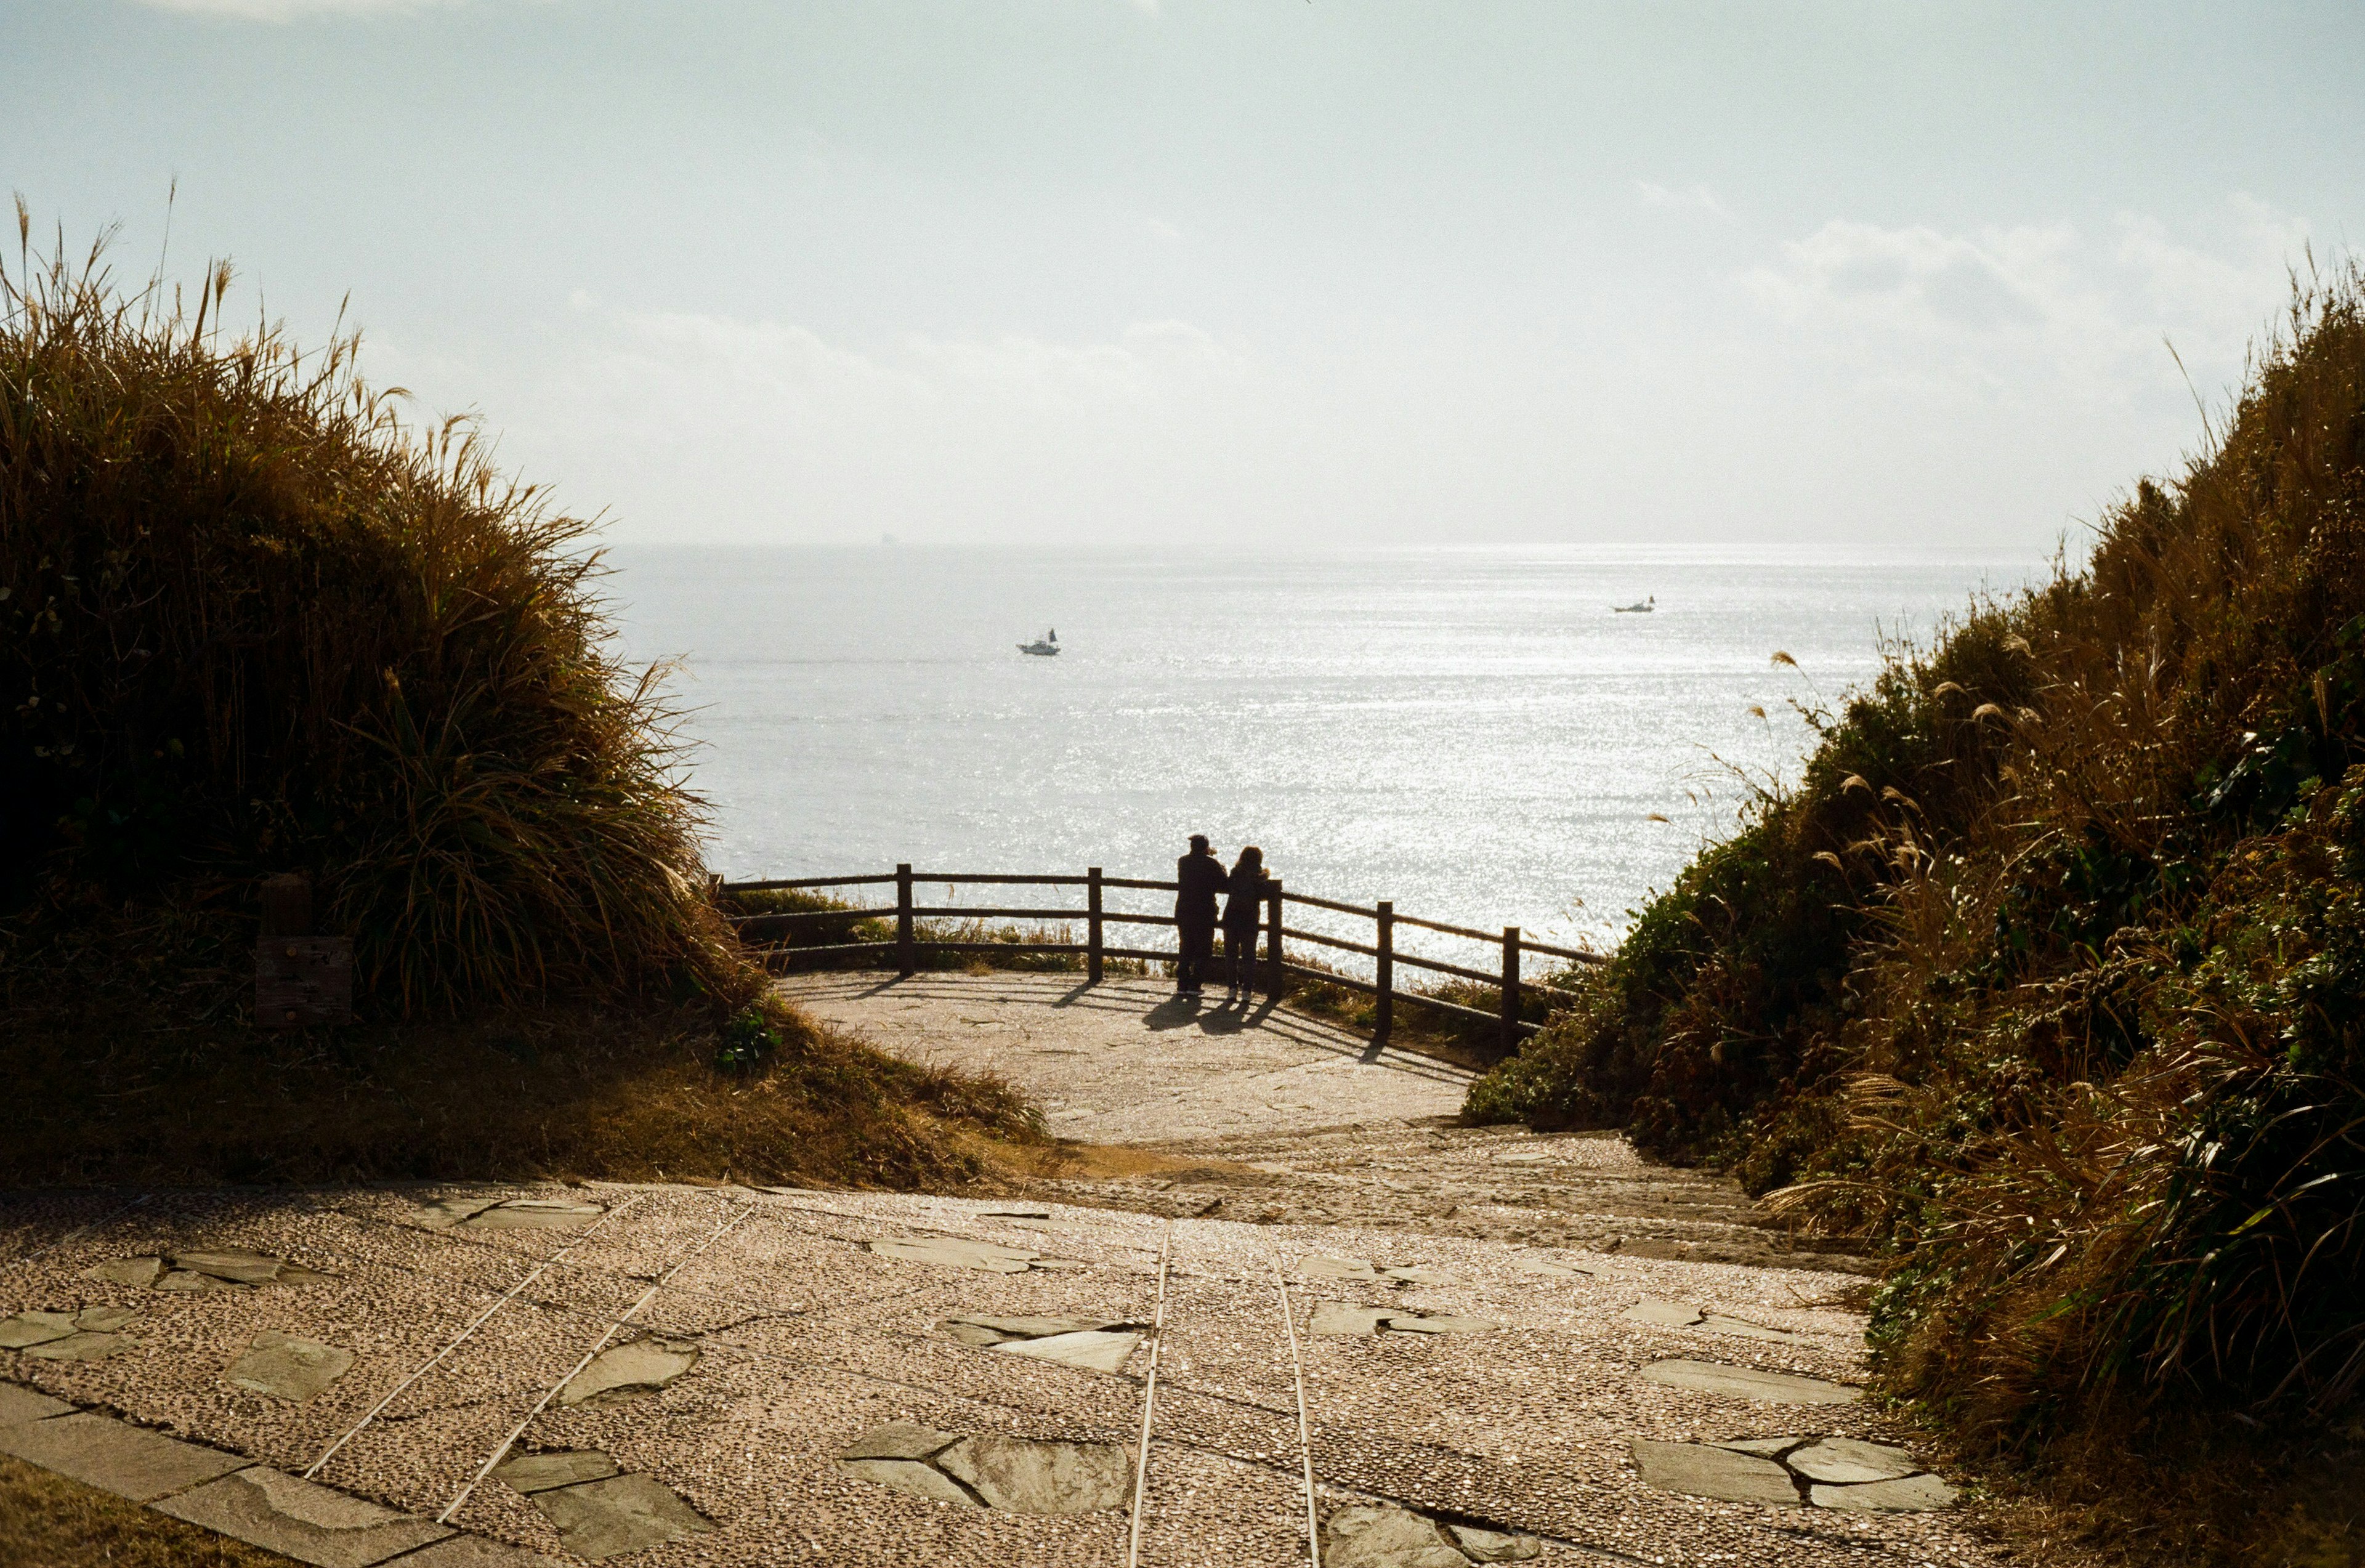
x,y
746,1041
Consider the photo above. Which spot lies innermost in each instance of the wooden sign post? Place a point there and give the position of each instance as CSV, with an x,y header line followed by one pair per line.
x,y
299,979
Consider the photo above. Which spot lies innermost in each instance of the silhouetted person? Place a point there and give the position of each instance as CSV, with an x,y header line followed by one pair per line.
x,y
1243,905
1198,878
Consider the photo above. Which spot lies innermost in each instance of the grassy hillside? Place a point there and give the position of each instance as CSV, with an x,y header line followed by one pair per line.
x,y
253,624
2050,976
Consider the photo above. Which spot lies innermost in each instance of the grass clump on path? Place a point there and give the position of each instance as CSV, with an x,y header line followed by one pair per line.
x,y
2049,978
251,623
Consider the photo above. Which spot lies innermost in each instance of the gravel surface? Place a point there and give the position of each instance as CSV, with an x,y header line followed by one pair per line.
x,y
1485,1372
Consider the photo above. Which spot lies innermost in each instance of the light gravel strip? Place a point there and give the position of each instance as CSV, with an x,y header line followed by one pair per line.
x,y
1305,1441
436,1360
1150,1399
502,1449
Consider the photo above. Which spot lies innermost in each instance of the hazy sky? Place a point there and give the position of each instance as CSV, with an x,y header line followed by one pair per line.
x,y
1890,275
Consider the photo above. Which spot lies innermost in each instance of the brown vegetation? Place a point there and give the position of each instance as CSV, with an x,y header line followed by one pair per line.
x,y
2050,979
252,625
48,1521
146,1073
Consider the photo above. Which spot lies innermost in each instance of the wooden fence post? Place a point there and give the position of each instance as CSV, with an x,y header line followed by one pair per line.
x,y
1511,990
1384,1018
905,959
1272,941
1093,926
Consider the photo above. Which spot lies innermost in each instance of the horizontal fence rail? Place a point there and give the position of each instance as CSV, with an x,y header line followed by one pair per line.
x,y
906,948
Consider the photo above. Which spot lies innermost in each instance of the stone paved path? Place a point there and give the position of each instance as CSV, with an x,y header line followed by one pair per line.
x,y
675,1375
1268,1115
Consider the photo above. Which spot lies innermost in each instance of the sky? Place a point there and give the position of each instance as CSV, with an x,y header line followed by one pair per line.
x,y
1871,277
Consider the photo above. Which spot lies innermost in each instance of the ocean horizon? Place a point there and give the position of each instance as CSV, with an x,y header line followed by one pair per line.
x,y
1475,733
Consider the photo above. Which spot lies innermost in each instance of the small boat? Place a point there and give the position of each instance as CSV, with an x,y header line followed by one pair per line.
x,y
1044,646
1643,608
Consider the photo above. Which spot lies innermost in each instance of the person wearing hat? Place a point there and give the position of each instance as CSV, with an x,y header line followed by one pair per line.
x,y
1198,878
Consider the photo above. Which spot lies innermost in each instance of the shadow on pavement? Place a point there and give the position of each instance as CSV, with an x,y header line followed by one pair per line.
x,y
1174,1011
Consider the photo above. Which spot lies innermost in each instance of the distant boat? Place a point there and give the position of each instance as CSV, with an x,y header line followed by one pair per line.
x,y
1644,608
1044,646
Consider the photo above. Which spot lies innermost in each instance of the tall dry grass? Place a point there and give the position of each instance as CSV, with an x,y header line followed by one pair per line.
x,y
251,621
2049,978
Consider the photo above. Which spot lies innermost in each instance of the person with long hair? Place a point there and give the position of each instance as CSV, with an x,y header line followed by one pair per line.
x,y
1244,890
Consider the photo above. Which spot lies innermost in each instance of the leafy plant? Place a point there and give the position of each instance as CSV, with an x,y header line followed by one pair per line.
x,y
745,1042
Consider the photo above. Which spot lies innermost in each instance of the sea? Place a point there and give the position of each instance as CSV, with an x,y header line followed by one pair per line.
x,y
1476,734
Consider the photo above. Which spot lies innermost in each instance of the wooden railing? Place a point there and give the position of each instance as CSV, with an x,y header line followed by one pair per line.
x,y
906,949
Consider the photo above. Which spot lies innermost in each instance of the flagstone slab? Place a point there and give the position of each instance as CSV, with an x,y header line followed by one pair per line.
x,y
532,1472
1494,1546
188,1282
1700,1469
19,1405
236,1264
79,1348
1387,1537
1738,1328
1317,1266
625,1513
1334,1318
1909,1494
1662,1314
535,1214
1027,1476
296,1518
911,1475
36,1330
140,1273
1850,1462
900,1440
281,1366
113,1456
1749,1382
202,1270
1765,1448
966,1328
973,1333
624,1373
442,1213
1092,1349
1438,1322
958,1253
27,1329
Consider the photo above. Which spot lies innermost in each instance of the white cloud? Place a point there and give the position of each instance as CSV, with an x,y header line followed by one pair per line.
x,y
2019,312
777,424
1699,199
1886,384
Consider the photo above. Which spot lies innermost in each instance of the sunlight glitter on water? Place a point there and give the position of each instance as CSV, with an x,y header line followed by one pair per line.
x,y
1471,732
